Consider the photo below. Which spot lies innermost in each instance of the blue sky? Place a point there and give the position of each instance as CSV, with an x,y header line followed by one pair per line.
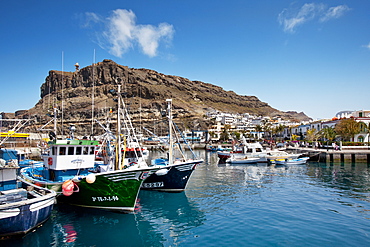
x,y
310,56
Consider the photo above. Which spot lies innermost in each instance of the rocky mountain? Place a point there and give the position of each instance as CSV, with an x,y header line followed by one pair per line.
x,y
146,91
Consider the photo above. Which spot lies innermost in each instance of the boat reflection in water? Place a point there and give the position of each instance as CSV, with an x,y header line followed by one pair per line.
x,y
171,216
159,218
230,205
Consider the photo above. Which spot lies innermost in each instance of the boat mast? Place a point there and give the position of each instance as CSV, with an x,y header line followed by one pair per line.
x,y
55,120
62,92
170,148
119,150
92,96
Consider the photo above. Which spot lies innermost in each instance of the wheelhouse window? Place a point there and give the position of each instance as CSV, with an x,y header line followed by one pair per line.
x,y
86,150
92,150
62,150
71,150
78,150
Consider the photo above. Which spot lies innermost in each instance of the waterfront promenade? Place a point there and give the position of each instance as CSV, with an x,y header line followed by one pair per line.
x,y
347,154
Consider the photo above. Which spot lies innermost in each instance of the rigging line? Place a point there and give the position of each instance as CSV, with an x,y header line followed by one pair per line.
x,y
93,95
129,128
187,144
62,91
178,140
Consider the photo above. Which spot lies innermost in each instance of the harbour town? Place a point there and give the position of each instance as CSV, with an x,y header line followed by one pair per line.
x,y
185,123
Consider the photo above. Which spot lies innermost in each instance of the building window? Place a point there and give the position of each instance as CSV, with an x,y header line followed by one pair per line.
x,y
360,139
363,127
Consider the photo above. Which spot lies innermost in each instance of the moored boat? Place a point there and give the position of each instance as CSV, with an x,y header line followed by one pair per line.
x,y
255,150
23,206
69,168
242,160
298,161
174,174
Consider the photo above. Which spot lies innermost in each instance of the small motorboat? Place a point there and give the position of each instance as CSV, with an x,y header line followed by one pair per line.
x,y
298,161
242,160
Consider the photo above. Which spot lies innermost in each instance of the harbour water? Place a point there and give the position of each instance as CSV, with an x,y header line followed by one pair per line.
x,y
316,204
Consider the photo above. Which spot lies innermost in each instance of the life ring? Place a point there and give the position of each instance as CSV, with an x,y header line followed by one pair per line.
x,y
50,161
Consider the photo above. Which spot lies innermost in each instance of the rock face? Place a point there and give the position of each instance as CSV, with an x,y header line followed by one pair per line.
x,y
146,92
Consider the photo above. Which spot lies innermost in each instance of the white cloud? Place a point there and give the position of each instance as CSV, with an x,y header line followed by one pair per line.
x,y
121,33
335,12
149,36
90,19
291,19
367,46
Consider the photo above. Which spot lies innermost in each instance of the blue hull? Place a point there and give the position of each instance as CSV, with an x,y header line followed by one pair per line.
x,y
174,180
23,222
19,217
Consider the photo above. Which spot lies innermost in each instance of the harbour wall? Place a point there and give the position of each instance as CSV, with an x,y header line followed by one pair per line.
x,y
346,155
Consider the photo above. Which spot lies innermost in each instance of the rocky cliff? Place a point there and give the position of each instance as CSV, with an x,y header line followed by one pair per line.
x,y
145,91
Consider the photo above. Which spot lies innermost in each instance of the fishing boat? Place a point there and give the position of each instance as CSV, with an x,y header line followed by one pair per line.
x,y
69,168
174,173
242,160
298,161
255,150
219,148
23,206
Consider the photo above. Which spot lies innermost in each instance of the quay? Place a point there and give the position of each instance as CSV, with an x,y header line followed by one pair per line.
x,y
345,155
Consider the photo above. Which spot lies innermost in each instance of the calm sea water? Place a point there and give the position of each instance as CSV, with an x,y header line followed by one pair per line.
x,y
230,205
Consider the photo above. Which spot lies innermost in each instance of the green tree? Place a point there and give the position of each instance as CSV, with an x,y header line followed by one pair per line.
x,y
279,129
328,133
312,135
347,128
224,136
267,128
258,129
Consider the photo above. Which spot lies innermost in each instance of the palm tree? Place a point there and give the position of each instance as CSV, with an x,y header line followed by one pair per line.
x,y
279,129
312,135
258,129
329,134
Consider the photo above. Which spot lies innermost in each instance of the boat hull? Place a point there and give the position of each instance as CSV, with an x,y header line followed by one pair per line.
x,y
115,191
299,161
19,218
175,178
244,161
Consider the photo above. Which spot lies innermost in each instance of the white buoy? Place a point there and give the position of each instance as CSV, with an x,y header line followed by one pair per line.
x,y
90,178
162,172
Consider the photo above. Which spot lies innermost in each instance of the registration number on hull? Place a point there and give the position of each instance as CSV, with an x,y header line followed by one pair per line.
x,y
105,198
153,185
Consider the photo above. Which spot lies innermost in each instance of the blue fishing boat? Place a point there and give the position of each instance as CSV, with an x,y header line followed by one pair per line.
x,y
174,173
23,206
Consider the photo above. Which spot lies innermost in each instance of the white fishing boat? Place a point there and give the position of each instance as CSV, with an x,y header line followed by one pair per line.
x,y
71,170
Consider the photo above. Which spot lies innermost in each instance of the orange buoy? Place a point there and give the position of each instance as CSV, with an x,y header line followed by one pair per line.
x,y
68,187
